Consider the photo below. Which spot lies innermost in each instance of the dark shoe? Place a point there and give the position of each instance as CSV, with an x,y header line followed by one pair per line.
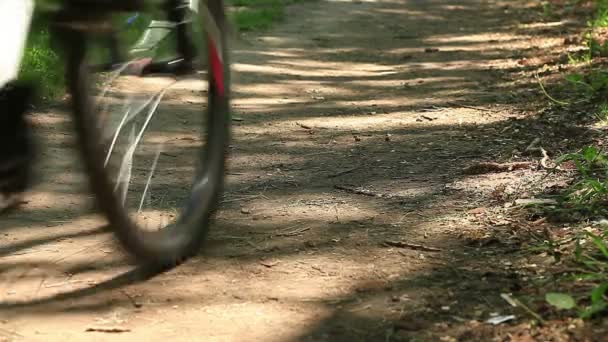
x,y
176,66
16,147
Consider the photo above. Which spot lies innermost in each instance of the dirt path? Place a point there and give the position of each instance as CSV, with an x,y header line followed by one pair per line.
x,y
347,215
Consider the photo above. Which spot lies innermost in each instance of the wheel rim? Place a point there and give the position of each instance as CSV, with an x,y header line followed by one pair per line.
x,y
154,130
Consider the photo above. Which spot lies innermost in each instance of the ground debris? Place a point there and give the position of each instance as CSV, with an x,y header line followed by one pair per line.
x,y
361,191
294,232
303,125
415,246
111,330
269,263
490,167
337,174
472,107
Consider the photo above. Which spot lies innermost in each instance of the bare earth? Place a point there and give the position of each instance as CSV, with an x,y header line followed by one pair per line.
x,y
347,214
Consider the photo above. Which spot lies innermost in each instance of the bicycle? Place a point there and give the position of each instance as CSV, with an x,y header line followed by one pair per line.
x,y
118,113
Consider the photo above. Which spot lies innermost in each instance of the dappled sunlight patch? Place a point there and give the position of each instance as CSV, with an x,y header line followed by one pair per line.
x,y
284,52
345,123
547,24
497,38
316,69
263,105
315,211
253,320
456,82
503,185
403,189
413,13
435,115
309,89
172,140
274,40
392,102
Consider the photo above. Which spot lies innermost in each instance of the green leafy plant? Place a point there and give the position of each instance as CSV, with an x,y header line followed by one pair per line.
x,y
561,301
589,195
601,15
591,84
41,64
584,58
597,49
547,9
251,15
602,113
594,260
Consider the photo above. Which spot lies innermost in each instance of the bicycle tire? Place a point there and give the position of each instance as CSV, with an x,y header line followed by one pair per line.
x,y
172,245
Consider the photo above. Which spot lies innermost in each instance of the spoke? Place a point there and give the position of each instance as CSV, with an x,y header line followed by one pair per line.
x,y
153,168
118,129
127,118
127,160
124,175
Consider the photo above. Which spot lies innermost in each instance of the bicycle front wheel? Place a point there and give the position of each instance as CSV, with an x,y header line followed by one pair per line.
x,y
154,141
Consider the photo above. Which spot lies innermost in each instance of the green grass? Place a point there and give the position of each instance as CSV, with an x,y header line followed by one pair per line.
x,y
251,15
581,253
42,65
586,250
602,114
587,291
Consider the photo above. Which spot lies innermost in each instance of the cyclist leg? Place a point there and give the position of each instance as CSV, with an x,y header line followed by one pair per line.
x,y
16,152
16,146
